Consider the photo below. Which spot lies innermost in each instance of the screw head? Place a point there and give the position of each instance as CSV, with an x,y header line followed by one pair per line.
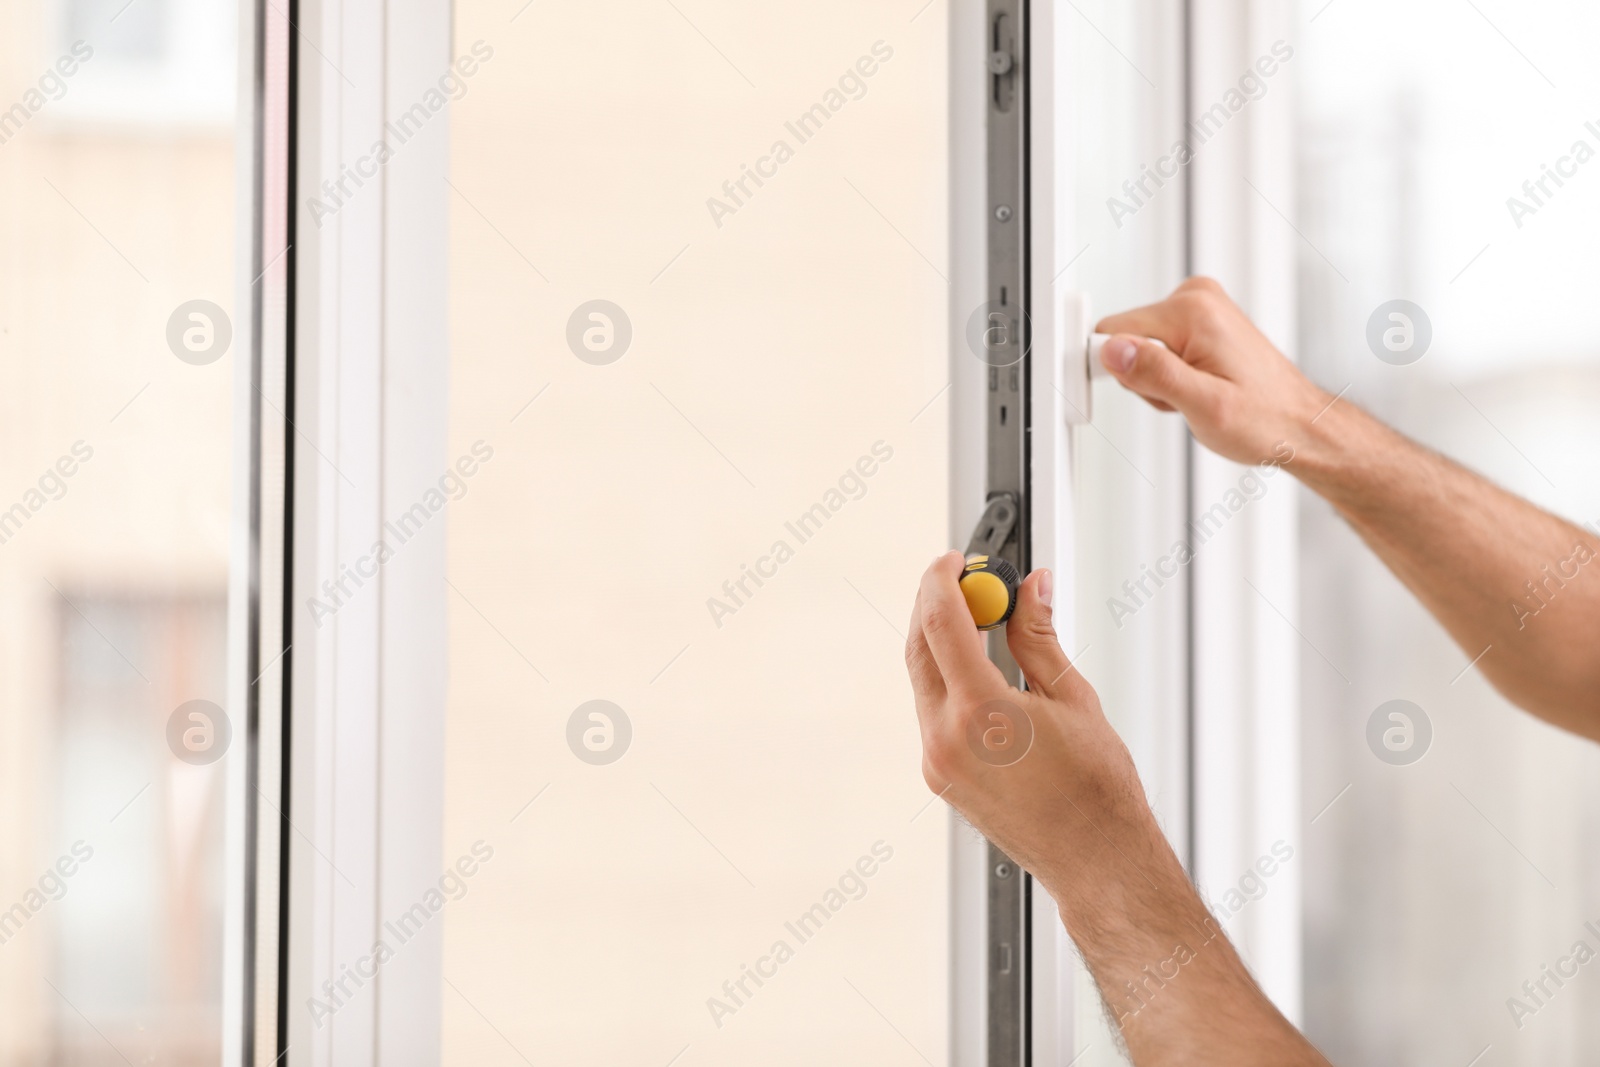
x,y
1003,213
1002,870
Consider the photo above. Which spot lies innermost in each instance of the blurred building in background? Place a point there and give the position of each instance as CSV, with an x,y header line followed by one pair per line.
x,y
117,202
1434,890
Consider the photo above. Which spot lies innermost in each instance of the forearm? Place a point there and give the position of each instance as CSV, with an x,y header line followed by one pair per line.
x,y
1501,574
1512,583
1070,809
1174,986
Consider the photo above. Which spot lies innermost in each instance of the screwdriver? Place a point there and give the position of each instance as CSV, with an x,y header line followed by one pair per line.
x,y
989,585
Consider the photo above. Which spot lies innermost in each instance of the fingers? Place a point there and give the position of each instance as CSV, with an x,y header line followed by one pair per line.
x,y
951,635
1031,633
1163,321
1158,374
1172,320
926,682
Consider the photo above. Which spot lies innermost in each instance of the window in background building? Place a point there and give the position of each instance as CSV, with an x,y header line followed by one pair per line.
x,y
141,951
132,32
154,64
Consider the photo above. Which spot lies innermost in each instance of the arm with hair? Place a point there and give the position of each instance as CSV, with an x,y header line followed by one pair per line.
x,y
1516,587
1072,812
1171,981
1510,582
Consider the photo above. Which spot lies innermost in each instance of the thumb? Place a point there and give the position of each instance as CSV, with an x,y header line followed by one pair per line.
x,y
1156,372
1031,635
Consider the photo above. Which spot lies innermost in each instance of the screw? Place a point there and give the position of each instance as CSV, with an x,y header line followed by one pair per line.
x,y
1003,213
1002,870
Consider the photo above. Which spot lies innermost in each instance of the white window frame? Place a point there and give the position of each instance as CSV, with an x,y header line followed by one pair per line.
x,y
1238,790
258,660
370,417
1244,640
1056,391
366,762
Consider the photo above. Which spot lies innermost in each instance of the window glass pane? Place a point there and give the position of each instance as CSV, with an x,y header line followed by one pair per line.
x,y
1435,890
700,364
118,212
1129,465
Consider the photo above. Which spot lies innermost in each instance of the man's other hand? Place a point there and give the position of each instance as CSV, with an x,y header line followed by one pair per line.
x,y
1243,399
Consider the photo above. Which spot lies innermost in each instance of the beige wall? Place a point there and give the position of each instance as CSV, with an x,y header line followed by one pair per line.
x,y
793,337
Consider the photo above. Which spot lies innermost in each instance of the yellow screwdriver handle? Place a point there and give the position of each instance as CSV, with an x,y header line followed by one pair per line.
x,y
989,584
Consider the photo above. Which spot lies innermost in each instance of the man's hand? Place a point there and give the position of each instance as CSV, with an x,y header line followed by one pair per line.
x,y
1041,772
1044,776
1241,396
1517,587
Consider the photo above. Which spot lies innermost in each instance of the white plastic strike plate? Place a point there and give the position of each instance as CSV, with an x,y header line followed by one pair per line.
x,y
1077,368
